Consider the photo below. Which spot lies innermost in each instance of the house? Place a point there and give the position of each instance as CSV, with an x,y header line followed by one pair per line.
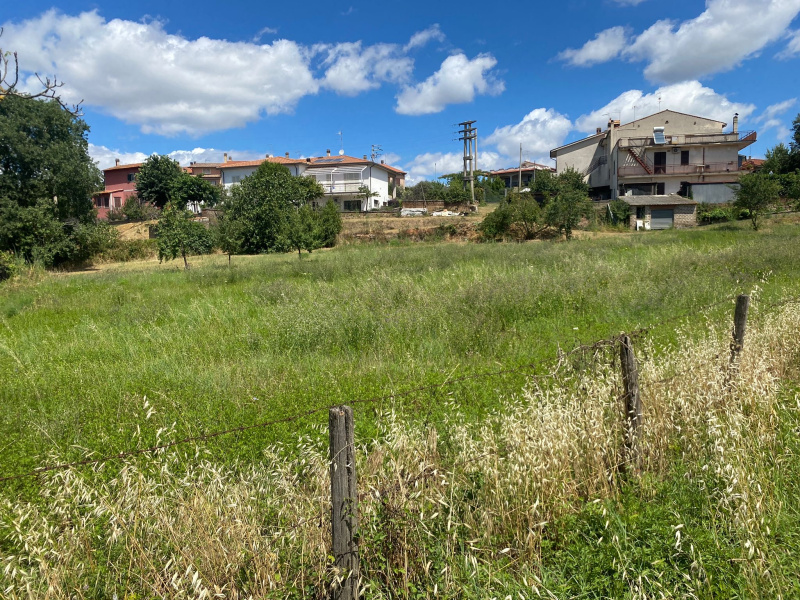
x,y
209,172
343,178
528,169
120,184
659,155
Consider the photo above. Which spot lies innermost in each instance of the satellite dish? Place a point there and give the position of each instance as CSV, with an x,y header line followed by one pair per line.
x,y
341,152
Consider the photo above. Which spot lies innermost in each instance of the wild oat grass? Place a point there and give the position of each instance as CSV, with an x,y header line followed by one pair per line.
x,y
455,508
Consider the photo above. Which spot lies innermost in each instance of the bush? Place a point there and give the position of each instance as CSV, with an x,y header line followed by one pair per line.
x,y
714,213
8,265
497,223
135,210
128,250
620,211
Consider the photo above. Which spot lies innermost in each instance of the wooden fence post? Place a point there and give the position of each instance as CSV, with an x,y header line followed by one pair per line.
x,y
739,326
344,503
633,403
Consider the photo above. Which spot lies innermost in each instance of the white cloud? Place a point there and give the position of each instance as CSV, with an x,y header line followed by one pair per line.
x,y
688,97
769,119
392,159
262,32
457,81
629,2
421,38
105,157
353,69
793,47
719,39
538,132
436,164
168,84
606,45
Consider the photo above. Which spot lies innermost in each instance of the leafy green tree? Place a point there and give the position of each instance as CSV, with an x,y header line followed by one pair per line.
x,y
264,203
187,190
545,186
756,193
778,160
179,235
156,178
566,210
46,181
229,234
497,224
302,229
527,215
329,226
365,194
620,211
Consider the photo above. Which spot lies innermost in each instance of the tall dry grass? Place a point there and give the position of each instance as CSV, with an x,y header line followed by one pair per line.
x,y
443,506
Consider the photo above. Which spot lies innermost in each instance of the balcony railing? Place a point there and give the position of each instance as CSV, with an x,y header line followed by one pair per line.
x,y
638,170
342,187
690,139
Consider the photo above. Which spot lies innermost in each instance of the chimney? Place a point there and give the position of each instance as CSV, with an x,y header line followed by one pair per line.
x,y
287,155
269,155
328,151
736,123
365,157
383,162
225,157
308,160
116,162
599,130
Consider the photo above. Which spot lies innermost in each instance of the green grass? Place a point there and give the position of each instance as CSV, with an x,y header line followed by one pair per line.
x,y
218,347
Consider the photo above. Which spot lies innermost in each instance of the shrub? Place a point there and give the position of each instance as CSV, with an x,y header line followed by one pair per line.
x,y
8,265
714,213
620,211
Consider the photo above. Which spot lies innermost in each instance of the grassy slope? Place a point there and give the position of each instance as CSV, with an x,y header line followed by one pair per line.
x,y
218,347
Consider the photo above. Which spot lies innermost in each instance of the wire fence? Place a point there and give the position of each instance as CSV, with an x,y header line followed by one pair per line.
x,y
551,367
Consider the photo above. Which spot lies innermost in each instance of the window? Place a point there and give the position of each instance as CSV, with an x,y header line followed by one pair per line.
x,y
640,212
236,178
684,157
206,171
660,162
352,176
131,177
117,202
352,204
660,189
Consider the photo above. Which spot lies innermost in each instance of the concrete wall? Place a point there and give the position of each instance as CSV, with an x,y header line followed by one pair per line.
x,y
714,193
673,123
579,155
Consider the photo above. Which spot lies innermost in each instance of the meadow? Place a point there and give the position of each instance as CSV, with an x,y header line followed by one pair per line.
x,y
132,355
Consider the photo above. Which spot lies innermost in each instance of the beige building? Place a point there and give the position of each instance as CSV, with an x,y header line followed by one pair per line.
x,y
666,153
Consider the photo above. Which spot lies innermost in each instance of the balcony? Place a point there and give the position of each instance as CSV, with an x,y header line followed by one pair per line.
x,y
342,187
639,171
690,139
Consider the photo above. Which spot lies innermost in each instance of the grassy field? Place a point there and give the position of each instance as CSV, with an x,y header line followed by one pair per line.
x,y
218,347
130,355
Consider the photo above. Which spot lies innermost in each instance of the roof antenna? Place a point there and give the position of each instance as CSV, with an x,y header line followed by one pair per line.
x,y
341,144
659,103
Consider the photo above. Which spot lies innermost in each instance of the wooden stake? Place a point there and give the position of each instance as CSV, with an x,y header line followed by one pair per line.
x,y
633,403
344,503
739,326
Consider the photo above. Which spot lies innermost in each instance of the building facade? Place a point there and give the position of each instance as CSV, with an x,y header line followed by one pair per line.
x,y
120,184
665,153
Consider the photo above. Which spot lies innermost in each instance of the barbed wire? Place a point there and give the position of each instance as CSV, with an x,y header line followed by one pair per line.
x,y
556,363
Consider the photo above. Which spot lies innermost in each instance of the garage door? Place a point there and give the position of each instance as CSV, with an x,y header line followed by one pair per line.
x,y
662,218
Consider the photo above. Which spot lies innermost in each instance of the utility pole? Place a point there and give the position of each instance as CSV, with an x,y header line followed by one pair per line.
x,y
519,181
469,135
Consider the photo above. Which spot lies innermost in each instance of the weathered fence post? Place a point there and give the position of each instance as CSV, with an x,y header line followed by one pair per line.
x,y
633,403
739,326
344,503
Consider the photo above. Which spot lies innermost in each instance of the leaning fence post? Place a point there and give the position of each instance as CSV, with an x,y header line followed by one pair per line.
x,y
633,403
739,326
344,503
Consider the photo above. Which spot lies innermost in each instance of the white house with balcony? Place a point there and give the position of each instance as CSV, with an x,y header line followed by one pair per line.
x,y
353,184
662,154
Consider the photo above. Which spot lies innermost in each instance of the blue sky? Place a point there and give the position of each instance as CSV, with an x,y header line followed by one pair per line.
x,y
194,80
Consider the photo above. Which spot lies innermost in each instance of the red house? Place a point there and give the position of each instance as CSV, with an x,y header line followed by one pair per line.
x,y
120,184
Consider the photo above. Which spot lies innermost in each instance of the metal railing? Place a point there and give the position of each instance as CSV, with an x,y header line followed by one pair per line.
x,y
693,169
342,187
689,139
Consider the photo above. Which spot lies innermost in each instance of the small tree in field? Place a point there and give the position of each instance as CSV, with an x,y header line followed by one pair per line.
x,y
757,192
156,178
179,235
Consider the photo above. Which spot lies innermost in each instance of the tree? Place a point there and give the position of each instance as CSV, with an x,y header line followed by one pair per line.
x,y
778,160
264,203
301,230
364,193
794,145
329,226
756,193
46,181
229,235
179,235
156,179
189,190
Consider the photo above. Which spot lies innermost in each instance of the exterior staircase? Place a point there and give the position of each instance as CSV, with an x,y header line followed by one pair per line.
x,y
641,161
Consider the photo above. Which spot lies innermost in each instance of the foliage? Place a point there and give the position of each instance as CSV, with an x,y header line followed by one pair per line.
x,y
757,192
188,190
130,250
434,191
301,229
497,223
136,210
566,210
789,185
46,180
778,160
156,178
229,235
713,213
329,226
179,235
8,265
264,205
366,195
620,211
